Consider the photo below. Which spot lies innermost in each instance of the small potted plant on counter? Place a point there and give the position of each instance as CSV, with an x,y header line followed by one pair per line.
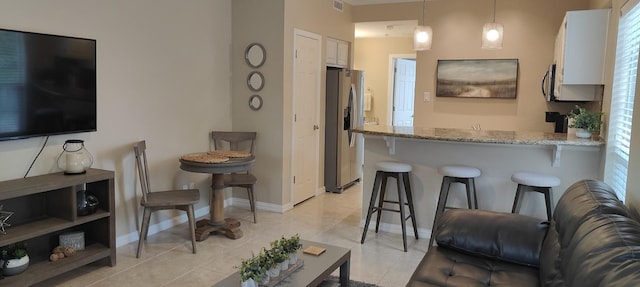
x,y
585,122
14,259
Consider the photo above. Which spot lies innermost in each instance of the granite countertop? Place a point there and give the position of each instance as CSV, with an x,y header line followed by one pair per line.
x,y
480,136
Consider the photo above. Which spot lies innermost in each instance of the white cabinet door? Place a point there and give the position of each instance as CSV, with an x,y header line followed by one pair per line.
x,y
332,52
343,54
585,40
579,55
337,53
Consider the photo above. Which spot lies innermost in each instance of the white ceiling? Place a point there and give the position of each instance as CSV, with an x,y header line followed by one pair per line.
x,y
385,29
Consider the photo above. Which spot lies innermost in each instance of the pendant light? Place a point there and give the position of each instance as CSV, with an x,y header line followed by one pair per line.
x,y
492,33
422,35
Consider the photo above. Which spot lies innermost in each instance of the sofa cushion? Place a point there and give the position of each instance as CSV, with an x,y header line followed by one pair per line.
x,y
502,236
582,200
591,240
446,267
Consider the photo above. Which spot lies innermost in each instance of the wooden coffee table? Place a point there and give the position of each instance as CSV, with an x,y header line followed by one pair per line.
x,y
314,270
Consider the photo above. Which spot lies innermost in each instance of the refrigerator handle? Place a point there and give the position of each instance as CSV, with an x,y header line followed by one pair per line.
x,y
346,123
353,113
543,85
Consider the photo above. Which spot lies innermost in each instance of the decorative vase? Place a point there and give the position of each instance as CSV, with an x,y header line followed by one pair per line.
x,y
249,283
15,266
293,258
583,133
274,271
87,203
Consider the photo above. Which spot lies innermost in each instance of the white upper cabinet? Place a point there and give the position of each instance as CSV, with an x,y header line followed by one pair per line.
x,y
579,54
337,53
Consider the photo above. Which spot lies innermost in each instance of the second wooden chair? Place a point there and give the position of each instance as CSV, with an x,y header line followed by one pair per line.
x,y
240,141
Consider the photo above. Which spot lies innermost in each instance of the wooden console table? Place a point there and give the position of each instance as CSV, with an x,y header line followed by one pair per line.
x,y
44,207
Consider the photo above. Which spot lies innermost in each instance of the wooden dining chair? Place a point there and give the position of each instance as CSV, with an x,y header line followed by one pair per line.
x,y
241,141
182,199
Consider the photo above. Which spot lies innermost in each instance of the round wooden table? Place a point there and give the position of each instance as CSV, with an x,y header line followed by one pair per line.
x,y
217,223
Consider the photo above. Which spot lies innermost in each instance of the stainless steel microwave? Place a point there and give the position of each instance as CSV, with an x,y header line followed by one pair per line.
x,y
548,82
554,90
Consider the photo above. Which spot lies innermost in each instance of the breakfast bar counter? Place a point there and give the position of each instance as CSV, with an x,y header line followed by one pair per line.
x,y
498,154
479,136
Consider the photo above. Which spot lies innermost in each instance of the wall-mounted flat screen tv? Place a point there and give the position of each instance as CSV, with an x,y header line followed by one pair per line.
x,y
47,84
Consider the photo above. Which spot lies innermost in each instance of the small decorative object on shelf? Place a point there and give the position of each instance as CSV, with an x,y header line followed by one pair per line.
x,y
87,203
60,252
74,158
73,239
14,259
4,215
585,122
273,265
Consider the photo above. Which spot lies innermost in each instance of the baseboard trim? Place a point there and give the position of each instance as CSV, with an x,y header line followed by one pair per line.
x,y
200,212
243,202
397,229
161,226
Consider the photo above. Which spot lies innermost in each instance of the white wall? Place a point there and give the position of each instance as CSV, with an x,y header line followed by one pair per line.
x,y
272,24
267,121
530,28
163,75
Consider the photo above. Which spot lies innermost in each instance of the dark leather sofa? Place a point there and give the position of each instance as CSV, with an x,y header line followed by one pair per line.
x,y
592,240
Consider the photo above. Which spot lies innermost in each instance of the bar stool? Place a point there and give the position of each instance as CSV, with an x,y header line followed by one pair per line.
x,y
399,171
451,174
533,181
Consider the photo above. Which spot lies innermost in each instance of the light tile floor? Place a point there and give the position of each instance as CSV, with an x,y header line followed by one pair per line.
x,y
330,218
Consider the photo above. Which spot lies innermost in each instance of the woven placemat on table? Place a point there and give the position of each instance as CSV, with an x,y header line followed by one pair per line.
x,y
230,153
205,158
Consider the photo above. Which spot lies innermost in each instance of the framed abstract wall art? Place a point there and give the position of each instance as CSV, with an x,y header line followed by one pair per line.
x,y
477,78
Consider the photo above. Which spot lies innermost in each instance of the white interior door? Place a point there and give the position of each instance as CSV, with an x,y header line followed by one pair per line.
x,y
306,95
404,85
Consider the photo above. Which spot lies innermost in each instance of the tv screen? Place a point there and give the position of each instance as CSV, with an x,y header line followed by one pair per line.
x,y
47,84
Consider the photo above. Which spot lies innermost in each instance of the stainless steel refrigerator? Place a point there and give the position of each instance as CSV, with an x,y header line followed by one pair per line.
x,y
343,149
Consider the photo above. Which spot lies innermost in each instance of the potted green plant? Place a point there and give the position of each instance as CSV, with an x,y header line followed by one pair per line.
x,y
279,255
251,273
268,261
15,259
585,122
291,247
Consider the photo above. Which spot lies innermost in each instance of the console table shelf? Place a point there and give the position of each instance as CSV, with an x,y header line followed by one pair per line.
x,y
45,226
43,270
44,207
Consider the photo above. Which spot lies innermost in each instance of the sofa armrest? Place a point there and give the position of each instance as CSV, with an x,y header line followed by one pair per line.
x,y
504,236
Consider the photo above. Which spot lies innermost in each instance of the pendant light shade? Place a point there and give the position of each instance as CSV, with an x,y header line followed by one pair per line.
x,y
422,35
492,36
492,33
422,38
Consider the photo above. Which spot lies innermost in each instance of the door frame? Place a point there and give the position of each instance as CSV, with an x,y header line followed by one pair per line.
x,y
391,83
300,32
